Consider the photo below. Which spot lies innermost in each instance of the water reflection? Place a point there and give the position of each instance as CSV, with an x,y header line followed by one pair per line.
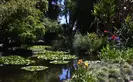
x,y
65,74
55,73
67,71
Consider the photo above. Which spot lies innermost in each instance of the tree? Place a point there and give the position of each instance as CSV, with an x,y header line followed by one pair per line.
x,y
104,12
53,9
20,20
79,13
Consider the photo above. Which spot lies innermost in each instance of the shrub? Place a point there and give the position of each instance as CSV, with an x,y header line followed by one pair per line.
x,y
126,32
103,72
112,54
87,43
63,43
81,74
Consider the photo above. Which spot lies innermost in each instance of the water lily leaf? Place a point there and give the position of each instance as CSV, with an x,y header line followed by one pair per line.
x,y
15,60
59,62
40,47
34,68
55,55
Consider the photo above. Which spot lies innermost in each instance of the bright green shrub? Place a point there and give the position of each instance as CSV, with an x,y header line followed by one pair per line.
x,y
112,54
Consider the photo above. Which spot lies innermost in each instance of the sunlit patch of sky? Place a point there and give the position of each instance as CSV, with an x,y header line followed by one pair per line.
x,y
62,19
65,74
61,2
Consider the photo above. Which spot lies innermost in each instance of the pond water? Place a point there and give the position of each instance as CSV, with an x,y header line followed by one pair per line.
x,y
55,73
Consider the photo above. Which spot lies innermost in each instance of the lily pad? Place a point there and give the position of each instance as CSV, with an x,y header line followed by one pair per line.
x,y
39,51
55,55
39,47
59,62
34,68
56,52
15,60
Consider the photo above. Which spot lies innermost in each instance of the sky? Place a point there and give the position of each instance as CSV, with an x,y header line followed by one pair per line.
x,y
62,18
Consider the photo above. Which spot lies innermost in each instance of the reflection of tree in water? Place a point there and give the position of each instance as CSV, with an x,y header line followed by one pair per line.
x,y
24,76
50,75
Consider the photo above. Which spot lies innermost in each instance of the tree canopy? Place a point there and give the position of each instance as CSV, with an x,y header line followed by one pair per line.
x,y
22,20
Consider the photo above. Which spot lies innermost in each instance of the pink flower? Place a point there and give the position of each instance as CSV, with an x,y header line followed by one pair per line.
x,y
105,31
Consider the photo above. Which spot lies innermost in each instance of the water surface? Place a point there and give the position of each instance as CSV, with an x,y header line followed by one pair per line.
x,y
55,73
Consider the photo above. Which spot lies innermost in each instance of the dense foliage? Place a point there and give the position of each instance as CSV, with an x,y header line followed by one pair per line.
x,y
112,54
21,21
113,21
87,43
100,27
103,72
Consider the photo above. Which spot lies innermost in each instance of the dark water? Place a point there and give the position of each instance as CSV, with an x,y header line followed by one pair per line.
x,y
55,73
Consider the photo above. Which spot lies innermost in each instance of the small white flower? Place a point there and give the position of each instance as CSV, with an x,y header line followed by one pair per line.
x,y
125,8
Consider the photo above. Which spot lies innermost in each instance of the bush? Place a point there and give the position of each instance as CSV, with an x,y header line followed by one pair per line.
x,y
126,32
82,74
63,43
87,43
103,72
112,54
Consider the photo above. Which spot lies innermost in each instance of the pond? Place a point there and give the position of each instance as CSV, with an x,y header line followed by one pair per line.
x,y
55,73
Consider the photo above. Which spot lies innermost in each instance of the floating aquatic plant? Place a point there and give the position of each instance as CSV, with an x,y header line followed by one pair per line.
x,y
15,60
56,52
55,55
39,51
59,62
39,47
34,68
